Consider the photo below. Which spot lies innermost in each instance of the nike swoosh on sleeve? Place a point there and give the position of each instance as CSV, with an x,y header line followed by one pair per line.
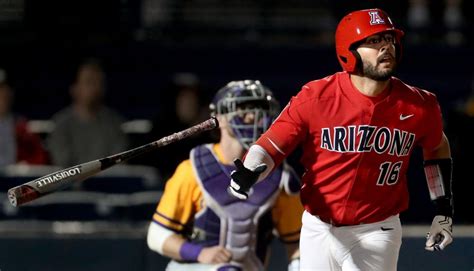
x,y
276,146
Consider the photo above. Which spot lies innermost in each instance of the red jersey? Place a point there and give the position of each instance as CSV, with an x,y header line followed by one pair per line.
x,y
356,148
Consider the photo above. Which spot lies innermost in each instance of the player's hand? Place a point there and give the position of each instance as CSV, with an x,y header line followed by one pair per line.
x,y
243,178
214,255
441,233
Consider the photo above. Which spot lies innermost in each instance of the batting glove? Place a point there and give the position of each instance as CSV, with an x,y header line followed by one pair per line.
x,y
243,178
441,233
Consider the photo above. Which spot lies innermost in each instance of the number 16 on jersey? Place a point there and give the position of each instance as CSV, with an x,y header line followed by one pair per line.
x,y
389,173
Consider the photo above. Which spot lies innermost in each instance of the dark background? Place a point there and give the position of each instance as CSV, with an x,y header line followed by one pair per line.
x,y
282,43
144,44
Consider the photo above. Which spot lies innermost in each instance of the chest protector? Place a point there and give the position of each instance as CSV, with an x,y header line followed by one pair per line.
x,y
228,221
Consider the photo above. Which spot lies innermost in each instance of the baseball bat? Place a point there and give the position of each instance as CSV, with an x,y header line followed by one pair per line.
x,y
61,179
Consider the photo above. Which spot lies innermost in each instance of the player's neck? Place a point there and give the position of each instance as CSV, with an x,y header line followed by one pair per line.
x,y
367,86
231,148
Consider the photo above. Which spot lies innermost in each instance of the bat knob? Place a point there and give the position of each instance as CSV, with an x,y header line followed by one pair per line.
x,y
12,198
22,194
215,122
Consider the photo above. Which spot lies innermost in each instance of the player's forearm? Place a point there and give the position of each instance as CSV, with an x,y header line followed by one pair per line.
x,y
257,156
172,246
438,171
164,241
440,152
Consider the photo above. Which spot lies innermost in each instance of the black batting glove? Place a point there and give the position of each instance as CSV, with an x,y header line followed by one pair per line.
x,y
243,178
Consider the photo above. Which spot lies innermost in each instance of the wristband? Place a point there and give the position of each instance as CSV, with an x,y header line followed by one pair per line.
x,y
439,180
190,251
444,206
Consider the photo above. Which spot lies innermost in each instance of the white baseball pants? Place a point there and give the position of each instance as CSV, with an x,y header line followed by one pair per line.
x,y
364,247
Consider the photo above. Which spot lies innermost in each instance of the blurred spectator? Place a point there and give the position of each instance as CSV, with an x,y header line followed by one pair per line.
x,y
453,22
443,20
17,143
418,18
419,14
155,12
184,109
87,129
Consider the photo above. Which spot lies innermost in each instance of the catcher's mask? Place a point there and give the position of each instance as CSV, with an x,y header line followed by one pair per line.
x,y
249,107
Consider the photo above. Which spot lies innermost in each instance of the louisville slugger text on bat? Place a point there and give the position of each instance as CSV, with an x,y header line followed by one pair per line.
x,y
63,178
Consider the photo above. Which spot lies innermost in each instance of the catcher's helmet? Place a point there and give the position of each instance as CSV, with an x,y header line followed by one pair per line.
x,y
239,98
355,27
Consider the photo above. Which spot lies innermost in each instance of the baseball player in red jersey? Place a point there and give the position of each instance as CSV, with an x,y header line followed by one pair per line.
x,y
358,129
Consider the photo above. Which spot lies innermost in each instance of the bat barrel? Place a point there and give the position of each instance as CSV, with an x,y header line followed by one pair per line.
x,y
55,181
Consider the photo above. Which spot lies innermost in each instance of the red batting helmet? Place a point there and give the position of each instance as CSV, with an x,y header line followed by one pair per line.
x,y
355,27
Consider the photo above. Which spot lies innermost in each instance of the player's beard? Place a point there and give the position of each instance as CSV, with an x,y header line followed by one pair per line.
x,y
371,71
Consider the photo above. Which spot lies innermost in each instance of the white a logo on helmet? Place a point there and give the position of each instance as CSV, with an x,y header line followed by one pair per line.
x,y
375,18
